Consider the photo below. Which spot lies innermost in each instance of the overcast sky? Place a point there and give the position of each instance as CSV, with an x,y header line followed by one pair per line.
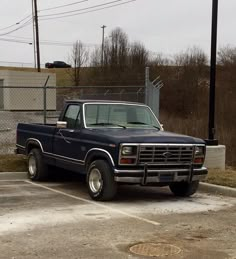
x,y
166,26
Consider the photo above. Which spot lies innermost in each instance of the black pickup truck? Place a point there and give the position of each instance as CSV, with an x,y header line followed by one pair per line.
x,y
113,143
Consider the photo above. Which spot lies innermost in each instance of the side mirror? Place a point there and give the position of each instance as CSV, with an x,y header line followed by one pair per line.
x,y
61,124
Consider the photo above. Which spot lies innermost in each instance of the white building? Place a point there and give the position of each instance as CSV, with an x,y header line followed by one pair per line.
x,y
19,90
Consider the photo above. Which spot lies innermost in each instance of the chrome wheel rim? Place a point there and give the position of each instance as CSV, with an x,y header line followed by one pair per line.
x,y
95,180
32,165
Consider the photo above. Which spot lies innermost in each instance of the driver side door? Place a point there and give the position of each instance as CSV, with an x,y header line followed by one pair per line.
x,y
67,142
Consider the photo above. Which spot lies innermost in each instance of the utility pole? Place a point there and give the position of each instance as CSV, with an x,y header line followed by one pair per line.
x,y
37,34
34,34
103,34
211,124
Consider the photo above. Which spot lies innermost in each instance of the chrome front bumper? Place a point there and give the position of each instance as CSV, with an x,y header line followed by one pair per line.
x,y
159,176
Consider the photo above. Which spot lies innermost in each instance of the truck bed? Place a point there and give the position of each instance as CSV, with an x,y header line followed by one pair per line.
x,y
43,133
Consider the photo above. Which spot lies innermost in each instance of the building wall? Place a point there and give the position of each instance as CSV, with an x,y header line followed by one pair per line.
x,y
25,95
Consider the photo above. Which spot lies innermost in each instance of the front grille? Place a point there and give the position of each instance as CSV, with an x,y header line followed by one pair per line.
x,y
165,154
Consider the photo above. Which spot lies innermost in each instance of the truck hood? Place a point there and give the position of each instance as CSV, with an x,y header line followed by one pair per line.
x,y
129,135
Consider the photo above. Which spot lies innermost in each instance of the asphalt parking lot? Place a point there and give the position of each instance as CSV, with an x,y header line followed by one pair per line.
x,y
57,219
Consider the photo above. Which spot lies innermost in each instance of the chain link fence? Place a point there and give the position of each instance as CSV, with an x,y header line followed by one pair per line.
x,y
25,104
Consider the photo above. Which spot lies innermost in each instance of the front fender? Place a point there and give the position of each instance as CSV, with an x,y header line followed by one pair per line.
x,y
97,153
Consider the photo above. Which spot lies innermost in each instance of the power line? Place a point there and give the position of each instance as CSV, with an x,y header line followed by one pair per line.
x,y
42,42
28,22
15,41
20,27
56,7
42,10
79,13
19,37
17,23
60,6
82,9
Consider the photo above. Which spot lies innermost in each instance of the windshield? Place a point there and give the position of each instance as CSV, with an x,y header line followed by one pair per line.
x,y
119,115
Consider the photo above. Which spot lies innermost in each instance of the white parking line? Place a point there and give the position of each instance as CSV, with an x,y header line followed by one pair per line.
x,y
11,180
12,185
155,223
12,172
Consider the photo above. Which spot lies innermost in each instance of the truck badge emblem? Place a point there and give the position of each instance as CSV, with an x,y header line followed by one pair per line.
x,y
167,154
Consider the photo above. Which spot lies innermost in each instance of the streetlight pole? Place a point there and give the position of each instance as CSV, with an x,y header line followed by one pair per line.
x,y
103,34
37,34
211,124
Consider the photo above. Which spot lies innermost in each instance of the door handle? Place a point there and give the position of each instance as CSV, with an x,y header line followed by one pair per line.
x,y
60,133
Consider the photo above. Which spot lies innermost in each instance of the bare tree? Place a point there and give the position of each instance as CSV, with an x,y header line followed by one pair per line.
x,y
227,56
192,57
138,55
116,46
119,53
78,58
95,58
190,70
159,59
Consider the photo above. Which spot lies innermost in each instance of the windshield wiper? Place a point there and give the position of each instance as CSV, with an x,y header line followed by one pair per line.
x,y
137,122
107,124
142,123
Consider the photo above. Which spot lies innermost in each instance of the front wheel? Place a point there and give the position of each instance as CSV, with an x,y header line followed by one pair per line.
x,y
184,189
100,181
37,169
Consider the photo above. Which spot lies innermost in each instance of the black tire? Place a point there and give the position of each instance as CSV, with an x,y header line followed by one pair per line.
x,y
104,187
184,189
37,169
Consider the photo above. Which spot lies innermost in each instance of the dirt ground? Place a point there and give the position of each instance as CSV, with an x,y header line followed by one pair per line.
x,y
57,219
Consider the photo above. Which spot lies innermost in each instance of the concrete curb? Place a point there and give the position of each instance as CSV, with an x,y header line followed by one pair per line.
x,y
217,189
4,176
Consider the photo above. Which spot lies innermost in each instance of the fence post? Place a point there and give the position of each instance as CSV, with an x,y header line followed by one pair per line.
x,y
156,106
152,92
45,101
147,82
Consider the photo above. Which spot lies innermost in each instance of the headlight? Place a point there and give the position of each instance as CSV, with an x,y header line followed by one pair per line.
x,y
128,151
128,154
199,151
199,155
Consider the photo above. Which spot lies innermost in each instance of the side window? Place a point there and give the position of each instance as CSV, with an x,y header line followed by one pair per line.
x,y
72,117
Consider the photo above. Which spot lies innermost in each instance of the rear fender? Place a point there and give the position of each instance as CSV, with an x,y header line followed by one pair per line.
x,y
33,143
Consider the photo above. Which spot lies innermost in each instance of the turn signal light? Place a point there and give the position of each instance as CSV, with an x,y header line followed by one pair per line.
x,y
127,161
199,160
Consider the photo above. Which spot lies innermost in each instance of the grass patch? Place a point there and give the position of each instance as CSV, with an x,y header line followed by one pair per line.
x,y
219,177
13,163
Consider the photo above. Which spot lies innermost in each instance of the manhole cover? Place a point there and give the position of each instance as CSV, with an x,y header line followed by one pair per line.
x,y
155,249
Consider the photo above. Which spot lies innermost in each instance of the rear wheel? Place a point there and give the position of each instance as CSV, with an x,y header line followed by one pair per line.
x,y
100,181
37,169
184,189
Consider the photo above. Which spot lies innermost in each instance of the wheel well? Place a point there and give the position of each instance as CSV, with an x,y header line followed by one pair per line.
x,y
94,157
31,146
